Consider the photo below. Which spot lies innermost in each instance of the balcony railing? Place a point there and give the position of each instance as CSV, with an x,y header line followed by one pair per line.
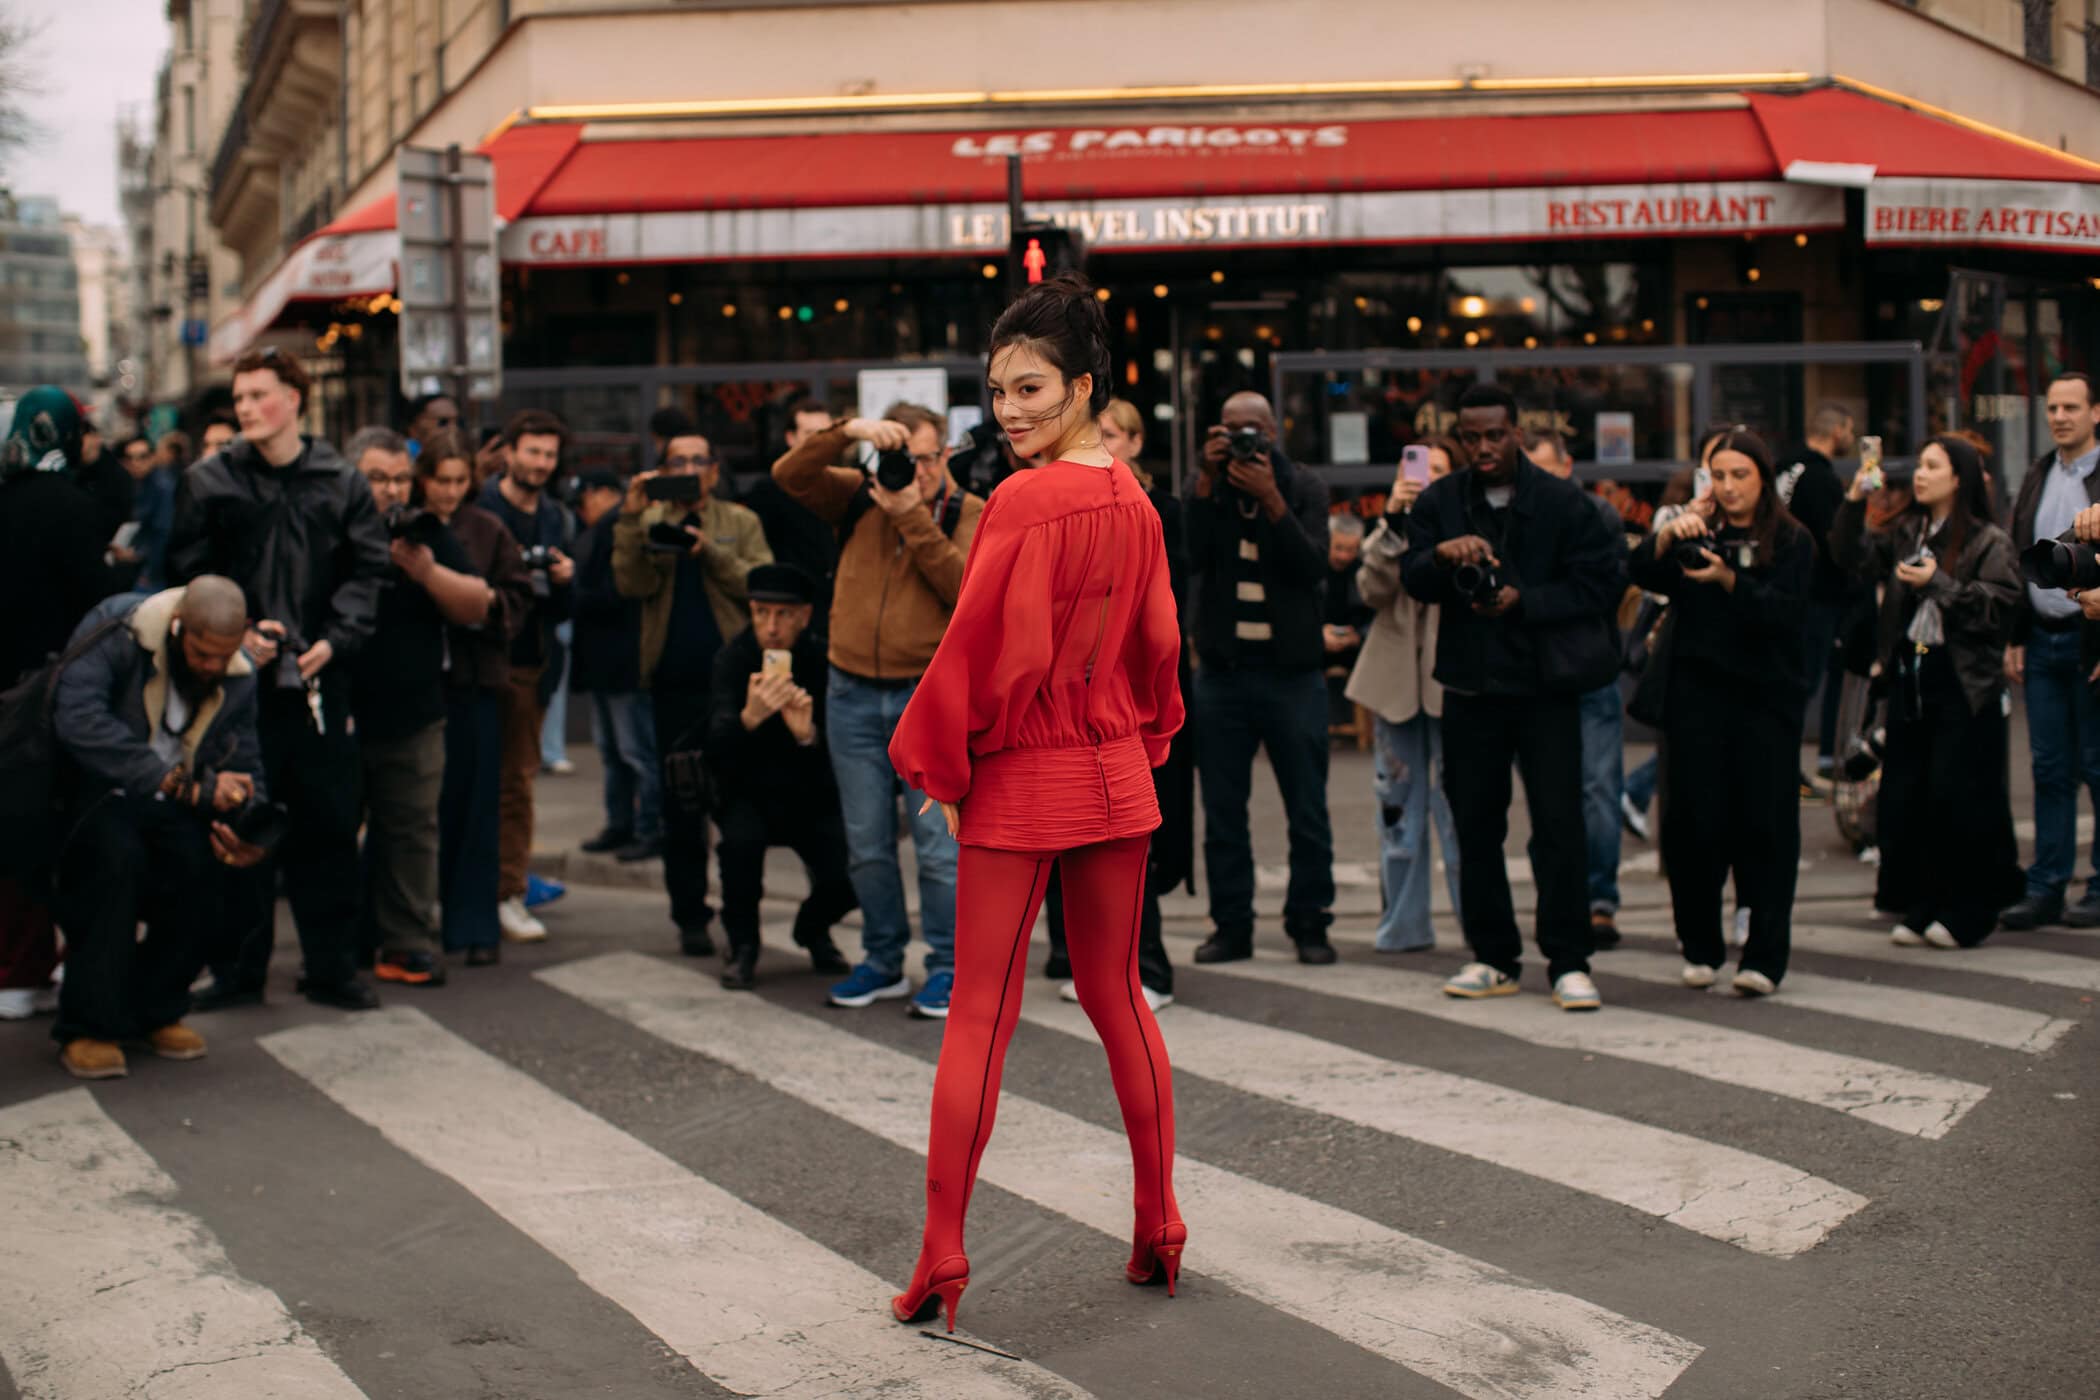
x,y
230,146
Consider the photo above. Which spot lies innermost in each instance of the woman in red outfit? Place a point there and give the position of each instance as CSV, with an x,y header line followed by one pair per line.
x,y
1054,694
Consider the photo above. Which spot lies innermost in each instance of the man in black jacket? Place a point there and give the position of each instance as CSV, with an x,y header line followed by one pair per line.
x,y
1257,532
156,714
285,517
1526,572
773,780
605,661
1810,489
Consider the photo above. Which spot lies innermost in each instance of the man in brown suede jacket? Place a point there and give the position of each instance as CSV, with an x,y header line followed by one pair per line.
x,y
900,568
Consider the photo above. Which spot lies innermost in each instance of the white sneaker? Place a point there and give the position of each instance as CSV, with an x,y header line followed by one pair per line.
x,y
1937,935
1068,991
1635,819
1699,975
1754,984
1158,1001
1574,991
518,925
1476,980
17,1003
560,768
1904,936
1739,932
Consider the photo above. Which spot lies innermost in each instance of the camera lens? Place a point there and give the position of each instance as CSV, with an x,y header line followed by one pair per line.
x,y
2055,564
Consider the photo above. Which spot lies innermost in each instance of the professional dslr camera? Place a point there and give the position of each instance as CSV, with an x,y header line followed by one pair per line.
x,y
1245,444
2056,564
414,524
283,673
894,470
538,559
1476,583
256,821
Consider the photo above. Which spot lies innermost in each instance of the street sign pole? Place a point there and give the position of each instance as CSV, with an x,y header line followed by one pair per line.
x,y
451,335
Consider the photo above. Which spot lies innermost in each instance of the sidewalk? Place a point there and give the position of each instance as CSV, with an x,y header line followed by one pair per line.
x,y
571,812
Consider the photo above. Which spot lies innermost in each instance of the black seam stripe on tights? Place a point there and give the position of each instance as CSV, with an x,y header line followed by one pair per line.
x,y
1159,1146
991,1046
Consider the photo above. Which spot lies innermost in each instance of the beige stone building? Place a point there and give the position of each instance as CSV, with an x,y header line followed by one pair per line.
x,y
777,184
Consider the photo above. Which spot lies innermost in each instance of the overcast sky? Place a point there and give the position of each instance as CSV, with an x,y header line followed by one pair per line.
x,y
93,58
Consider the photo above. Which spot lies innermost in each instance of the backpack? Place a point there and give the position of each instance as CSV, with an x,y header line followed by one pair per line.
x,y
29,755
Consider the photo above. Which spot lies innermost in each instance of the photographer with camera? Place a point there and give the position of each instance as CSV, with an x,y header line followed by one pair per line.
x,y
1949,861
519,498
904,531
1526,574
1729,675
774,785
156,712
685,555
1257,538
398,697
291,522
2046,659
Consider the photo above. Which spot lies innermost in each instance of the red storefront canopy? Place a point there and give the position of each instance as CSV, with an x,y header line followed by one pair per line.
x,y
571,198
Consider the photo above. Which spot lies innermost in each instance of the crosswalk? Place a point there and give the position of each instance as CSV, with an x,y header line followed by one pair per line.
x,y
1767,1145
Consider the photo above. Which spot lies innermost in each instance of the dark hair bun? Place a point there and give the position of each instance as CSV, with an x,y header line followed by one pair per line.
x,y
1063,320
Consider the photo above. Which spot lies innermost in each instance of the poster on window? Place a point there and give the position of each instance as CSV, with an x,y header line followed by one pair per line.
x,y
1615,439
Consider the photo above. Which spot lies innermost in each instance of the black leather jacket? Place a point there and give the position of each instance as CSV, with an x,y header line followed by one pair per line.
x,y
1980,594
304,541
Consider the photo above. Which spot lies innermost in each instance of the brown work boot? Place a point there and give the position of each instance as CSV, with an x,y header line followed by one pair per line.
x,y
177,1042
93,1059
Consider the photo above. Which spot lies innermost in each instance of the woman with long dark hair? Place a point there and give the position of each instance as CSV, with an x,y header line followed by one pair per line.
x,y
477,675
1053,696
1736,569
1949,860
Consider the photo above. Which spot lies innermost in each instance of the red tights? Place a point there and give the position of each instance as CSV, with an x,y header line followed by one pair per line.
x,y
997,895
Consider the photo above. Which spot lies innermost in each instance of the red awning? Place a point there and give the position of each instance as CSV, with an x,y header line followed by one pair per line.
x,y
1152,160
1851,135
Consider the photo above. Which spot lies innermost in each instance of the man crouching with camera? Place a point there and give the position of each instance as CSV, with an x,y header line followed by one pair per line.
x,y
685,555
1526,572
156,712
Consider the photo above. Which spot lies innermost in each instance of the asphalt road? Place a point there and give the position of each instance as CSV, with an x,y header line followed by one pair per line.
x,y
590,1172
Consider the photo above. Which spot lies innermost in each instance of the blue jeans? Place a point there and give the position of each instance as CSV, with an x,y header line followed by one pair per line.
x,y
2063,726
1409,784
625,728
1603,751
1240,711
554,730
859,721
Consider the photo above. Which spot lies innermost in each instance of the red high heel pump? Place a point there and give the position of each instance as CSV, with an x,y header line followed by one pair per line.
x,y
1158,1258
944,1286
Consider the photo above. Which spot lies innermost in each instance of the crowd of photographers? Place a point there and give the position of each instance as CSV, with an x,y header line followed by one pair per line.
x,y
280,667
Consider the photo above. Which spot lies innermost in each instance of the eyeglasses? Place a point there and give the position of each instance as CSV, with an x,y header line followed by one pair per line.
x,y
923,460
681,463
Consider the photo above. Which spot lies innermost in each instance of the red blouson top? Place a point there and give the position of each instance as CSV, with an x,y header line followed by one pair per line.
x,y
1056,687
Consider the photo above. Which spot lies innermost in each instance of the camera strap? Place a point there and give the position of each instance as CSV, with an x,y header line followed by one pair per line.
x,y
947,513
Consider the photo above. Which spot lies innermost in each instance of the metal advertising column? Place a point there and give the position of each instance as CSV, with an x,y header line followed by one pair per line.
x,y
451,332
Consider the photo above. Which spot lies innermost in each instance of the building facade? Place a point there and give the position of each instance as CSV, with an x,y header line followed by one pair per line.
x,y
40,325
188,277
691,188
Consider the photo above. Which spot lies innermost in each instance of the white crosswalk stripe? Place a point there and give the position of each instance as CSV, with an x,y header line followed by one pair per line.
x,y
1906,1101
1988,1023
755,1305
1730,1195
1993,959
111,1293
1468,1325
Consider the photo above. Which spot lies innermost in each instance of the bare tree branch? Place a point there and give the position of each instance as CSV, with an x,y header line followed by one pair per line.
x,y
19,81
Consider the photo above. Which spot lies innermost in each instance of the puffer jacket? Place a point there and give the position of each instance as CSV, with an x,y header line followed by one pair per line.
x,y
304,541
